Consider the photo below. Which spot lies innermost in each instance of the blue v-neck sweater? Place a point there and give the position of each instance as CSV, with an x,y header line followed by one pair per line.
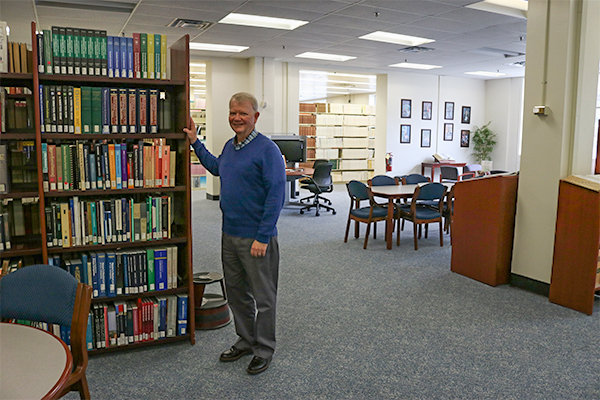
x,y
252,186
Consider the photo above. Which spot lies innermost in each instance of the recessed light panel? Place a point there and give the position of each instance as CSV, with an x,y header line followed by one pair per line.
x,y
217,47
415,66
486,73
262,22
396,38
325,56
513,8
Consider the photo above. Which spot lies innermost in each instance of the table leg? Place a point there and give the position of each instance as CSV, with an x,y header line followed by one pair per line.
x,y
389,224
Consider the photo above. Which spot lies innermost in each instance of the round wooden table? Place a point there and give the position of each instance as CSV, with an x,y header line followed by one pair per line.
x,y
35,363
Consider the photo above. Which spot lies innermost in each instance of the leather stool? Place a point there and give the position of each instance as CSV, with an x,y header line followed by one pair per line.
x,y
211,309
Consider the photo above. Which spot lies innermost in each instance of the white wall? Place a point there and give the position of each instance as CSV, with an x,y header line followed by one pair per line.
x,y
407,158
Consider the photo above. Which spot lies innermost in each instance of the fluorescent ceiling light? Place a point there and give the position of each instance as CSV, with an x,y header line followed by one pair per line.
x,y
513,8
217,47
415,66
320,82
200,86
197,65
396,38
324,56
262,22
197,80
96,5
337,74
486,73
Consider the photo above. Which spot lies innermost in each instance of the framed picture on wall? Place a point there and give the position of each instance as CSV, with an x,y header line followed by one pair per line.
x,y
427,110
425,137
466,115
449,110
448,132
404,133
465,137
405,108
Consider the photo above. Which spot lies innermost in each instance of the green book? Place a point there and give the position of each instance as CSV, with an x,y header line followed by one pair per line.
x,y
96,110
70,50
157,62
90,52
97,52
144,54
76,51
66,166
56,49
84,51
103,54
48,54
150,259
86,109
62,37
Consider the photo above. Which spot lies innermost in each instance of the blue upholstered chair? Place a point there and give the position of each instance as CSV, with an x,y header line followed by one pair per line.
x,y
419,213
413,179
383,180
46,293
374,212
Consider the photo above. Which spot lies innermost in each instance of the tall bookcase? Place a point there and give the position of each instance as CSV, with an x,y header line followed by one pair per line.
x,y
177,88
575,265
343,134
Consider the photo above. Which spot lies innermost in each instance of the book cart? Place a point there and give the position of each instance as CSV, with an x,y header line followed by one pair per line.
x,y
36,247
576,258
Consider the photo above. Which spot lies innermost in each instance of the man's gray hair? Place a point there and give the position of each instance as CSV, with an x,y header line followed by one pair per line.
x,y
242,97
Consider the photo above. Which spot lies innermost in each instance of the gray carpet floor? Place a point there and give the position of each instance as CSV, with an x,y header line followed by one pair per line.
x,y
370,324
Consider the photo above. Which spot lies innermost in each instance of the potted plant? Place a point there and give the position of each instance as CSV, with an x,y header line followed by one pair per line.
x,y
483,144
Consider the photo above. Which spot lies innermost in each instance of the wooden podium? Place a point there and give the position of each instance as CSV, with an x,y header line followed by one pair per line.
x,y
483,228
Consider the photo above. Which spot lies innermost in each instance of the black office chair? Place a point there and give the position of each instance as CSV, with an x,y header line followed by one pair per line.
x,y
448,173
320,182
306,181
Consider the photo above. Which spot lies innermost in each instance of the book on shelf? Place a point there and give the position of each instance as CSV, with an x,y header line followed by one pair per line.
x,y
3,47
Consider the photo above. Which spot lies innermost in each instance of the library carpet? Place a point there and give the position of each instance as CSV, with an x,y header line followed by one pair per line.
x,y
370,324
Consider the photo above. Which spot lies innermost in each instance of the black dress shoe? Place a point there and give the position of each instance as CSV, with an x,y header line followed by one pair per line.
x,y
233,354
258,365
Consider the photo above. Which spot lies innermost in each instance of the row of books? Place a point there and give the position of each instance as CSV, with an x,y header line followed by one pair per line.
x,y
16,112
19,218
80,51
117,220
18,166
19,58
69,109
123,272
122,323
147,319
93,165
11,264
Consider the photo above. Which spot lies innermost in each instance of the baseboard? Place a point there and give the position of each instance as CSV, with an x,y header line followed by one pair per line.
x,y
212,196
530,285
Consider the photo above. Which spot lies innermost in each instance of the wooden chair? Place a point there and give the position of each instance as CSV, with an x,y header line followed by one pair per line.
x,y
49,294
374,212
382,180
420,213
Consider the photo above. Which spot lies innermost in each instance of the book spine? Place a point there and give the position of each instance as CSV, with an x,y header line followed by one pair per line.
x,y
144,55
143,110
97,40
71,108
65,108
106,110
45,183
118,169
137,72
69,51
56,61
103,54
52,167
48,52
153,111
84,51
77,110
96,109
62,33
130,57
163,56
133,110
150,55
157,56
58,101
124,176
123,56
40,51
86,109
76,51
123,112
4,176
114,110
110,56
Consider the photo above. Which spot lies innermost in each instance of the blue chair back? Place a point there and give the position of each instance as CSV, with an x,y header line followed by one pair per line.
x,y
43,293
383,180
472,167
415,178
432,191
357,190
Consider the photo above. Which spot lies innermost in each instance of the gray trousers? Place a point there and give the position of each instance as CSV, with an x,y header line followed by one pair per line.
x,y
251,285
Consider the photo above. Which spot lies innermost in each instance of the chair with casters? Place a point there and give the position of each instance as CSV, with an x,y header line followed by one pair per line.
x,y
448,173
419,213
306,181
46,293
320,182
374,212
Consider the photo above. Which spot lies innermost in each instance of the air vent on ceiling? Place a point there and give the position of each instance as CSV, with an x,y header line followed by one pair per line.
x,y
517,64
415,49
190,24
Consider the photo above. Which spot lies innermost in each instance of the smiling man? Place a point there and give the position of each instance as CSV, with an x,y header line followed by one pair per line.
x,y
252,174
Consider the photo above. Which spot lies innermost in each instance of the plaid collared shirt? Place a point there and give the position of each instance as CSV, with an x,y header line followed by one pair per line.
x,y
239,146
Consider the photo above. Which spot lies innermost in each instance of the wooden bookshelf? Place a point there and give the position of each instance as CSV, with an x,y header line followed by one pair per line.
x,y
576,245
178,89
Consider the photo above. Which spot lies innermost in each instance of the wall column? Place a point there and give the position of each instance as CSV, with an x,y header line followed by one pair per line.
x,y
562,74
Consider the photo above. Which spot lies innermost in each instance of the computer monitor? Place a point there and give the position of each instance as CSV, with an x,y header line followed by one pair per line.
x,y
293,147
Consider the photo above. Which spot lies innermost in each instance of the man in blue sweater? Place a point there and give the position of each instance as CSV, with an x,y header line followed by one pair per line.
x,y
252,175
